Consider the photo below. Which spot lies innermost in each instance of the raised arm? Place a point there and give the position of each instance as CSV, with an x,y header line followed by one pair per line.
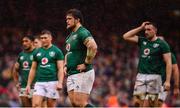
x,y
131,35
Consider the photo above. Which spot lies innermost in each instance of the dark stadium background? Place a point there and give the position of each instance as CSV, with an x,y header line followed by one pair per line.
x,y
116,62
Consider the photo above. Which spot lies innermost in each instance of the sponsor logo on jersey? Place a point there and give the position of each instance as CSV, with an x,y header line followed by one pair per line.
x,y
144,43
22,57
38,54
25,64
68,46
146,51
155,45
44,61
52,53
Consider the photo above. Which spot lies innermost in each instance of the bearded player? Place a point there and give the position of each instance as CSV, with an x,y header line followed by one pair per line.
x,y
154,59
81,50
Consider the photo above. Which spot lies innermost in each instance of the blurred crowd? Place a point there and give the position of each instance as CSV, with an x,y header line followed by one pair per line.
x,y
116,62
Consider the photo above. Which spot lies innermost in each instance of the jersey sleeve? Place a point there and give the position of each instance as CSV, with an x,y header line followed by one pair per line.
x,y
84,34
165,47
59,55
173,58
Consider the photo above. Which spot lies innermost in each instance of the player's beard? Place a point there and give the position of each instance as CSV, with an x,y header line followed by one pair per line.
x,y
71,28
149,36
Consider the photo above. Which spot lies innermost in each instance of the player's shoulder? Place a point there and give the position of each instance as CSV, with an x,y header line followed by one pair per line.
x,y
83,30
21,56
37,52
56,48
162,42
22,53
56,51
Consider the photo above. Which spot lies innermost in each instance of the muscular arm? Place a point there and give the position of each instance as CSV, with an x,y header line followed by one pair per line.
x,y
15,72
60,65
175,71
91,49
32,73
167,59
131,35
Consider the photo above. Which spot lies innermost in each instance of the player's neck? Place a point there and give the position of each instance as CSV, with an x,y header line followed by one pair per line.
x,y
47,47
77,27
154,38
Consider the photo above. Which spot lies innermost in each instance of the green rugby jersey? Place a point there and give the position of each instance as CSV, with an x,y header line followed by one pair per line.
x,y
151,56
25,61
47,63
76,50
173,58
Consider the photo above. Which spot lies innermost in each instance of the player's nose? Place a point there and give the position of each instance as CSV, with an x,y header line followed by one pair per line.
x,y
67,21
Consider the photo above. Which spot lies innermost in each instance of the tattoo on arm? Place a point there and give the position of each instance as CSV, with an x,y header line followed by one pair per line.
x,y
91,49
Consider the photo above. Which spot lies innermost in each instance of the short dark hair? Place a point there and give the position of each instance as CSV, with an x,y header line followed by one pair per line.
x,y
152,23
76,14
30,37
46,32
